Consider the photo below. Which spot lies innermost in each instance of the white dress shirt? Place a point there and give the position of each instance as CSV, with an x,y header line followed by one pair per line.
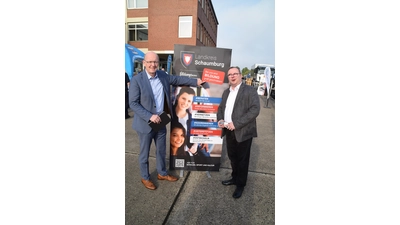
x,y
230,103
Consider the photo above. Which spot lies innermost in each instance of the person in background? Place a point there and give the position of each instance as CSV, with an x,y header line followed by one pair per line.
x,y
149,96
237,113
126,95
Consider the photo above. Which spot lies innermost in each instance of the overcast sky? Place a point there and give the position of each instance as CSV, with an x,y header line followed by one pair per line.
x,y
248,28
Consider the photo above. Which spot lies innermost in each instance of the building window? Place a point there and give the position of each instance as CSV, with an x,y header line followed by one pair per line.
x,y
138,31
198,29
185,26
135,4
201,33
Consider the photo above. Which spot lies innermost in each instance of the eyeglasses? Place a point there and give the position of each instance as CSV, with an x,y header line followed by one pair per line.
x,y
233,74
152,62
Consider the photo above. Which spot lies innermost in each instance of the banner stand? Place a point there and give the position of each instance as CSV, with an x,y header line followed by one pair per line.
x,y
266,103
211,65
207,173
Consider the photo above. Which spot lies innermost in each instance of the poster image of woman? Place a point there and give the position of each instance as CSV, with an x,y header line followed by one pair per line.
x,y
180,157
182,114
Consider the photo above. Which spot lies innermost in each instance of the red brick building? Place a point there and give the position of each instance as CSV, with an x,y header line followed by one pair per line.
x,y
156,25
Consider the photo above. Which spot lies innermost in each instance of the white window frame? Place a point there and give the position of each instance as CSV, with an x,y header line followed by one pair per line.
x,y
132,4
185,26
135,29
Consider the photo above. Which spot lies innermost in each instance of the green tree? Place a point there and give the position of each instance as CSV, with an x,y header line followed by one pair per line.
x,y
245,71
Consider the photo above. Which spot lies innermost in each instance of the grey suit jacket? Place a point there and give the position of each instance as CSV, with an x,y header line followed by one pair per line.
x,y
141,98
244,114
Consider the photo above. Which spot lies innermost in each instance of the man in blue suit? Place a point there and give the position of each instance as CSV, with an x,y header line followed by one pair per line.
x,y
149,96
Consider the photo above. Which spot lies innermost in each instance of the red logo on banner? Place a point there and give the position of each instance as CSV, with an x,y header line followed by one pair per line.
x,y
186,58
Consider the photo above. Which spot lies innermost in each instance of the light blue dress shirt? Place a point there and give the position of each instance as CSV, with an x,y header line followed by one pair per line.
x,y
157,88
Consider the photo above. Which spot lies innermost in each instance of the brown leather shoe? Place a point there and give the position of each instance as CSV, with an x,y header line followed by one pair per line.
x,y
148,184
167,177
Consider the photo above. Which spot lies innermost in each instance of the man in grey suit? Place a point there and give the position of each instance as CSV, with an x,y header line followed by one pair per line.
x,y
149,96
237,115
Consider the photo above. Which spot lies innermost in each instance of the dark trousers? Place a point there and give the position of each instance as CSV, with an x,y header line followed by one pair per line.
x,y
239,155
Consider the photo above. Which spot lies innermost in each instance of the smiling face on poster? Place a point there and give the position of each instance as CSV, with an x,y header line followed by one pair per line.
x,y
177,139
185,101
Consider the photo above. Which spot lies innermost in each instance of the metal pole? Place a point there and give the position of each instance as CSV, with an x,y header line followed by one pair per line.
x,y
270,91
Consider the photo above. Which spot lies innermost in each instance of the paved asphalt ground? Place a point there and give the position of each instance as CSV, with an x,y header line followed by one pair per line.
x,y
197,198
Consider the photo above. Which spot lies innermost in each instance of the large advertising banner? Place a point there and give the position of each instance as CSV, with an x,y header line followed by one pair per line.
x,y
195,138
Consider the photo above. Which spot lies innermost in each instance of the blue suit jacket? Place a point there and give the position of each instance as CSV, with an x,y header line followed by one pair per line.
x,y
141,98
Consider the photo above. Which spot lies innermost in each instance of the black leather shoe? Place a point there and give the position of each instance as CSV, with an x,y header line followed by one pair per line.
x,y
238,192
228,182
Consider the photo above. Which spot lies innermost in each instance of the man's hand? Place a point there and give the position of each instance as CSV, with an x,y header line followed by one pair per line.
x,y
221,124
199,82
155,119
230,126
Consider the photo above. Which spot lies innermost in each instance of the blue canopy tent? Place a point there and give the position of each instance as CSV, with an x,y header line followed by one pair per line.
x,y
132,54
